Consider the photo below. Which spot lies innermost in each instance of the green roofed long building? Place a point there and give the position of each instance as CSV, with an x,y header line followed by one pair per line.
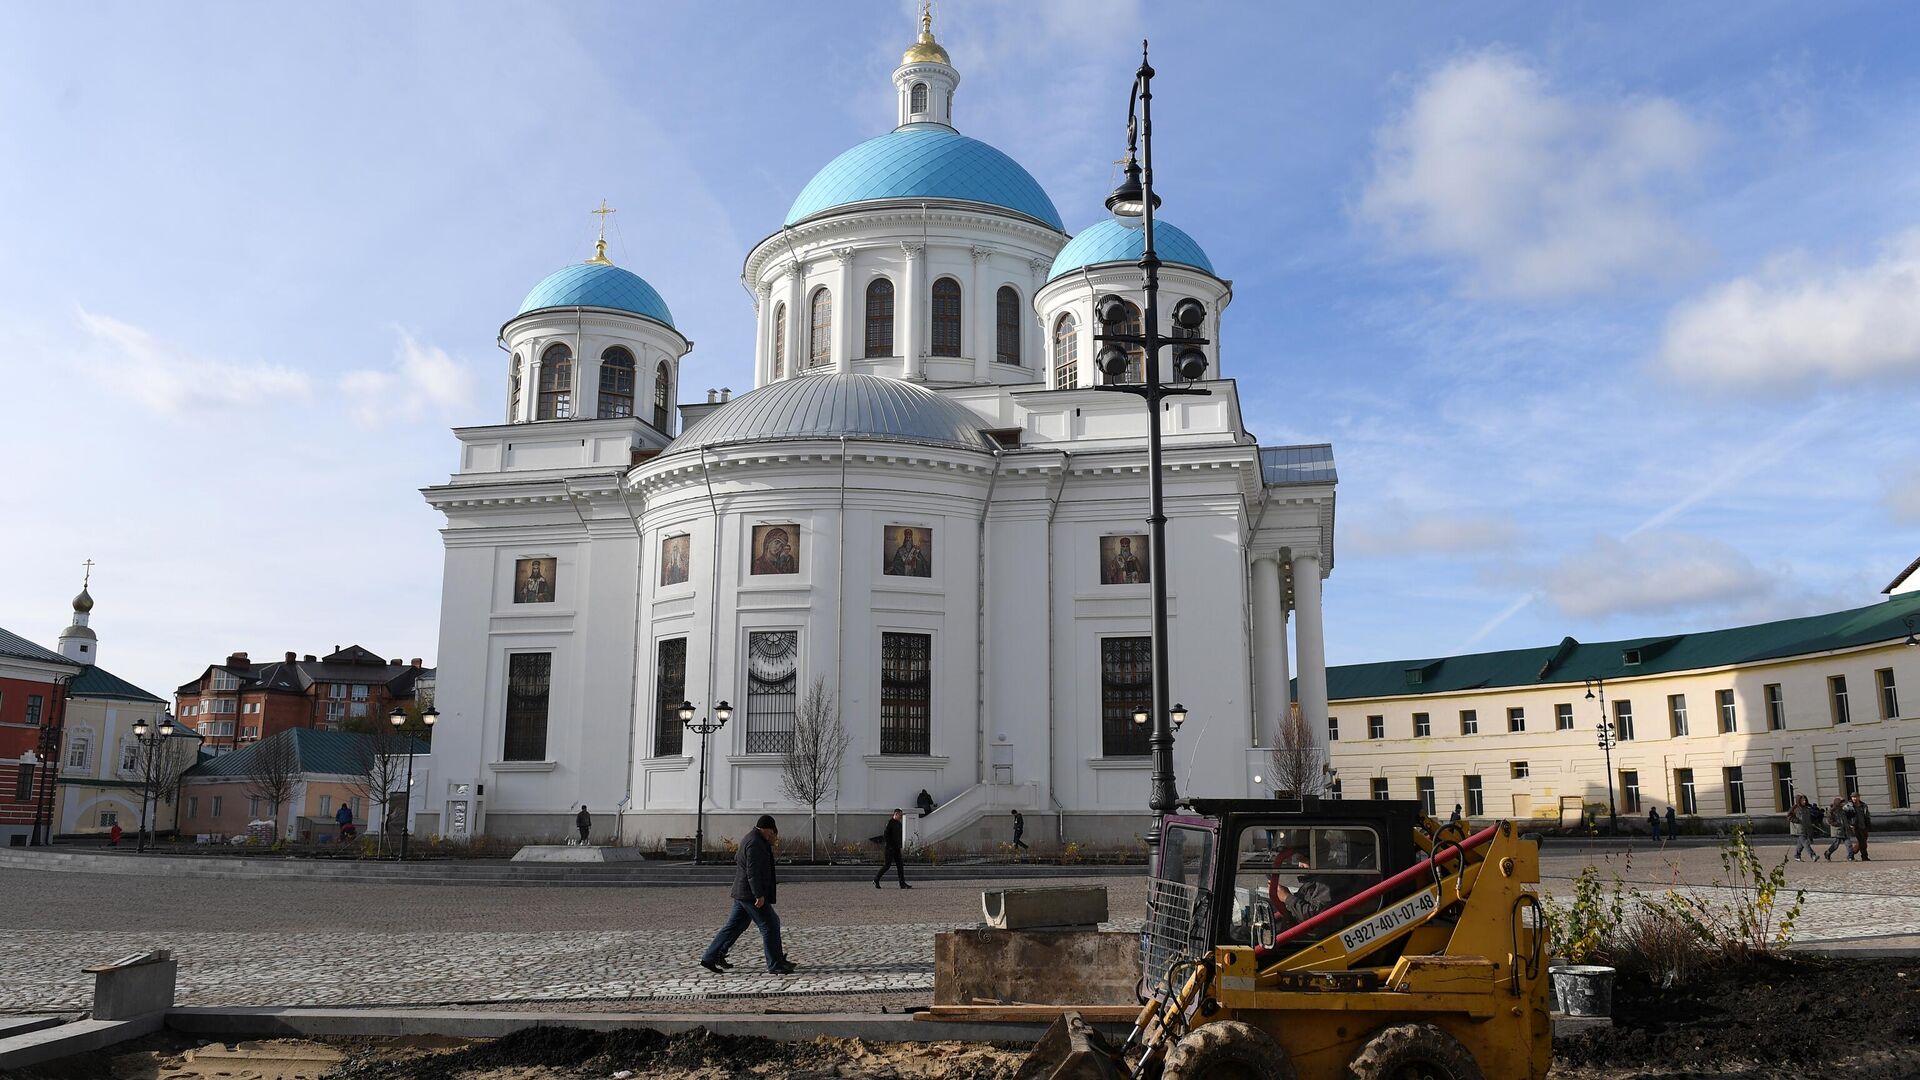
x,y
1721,724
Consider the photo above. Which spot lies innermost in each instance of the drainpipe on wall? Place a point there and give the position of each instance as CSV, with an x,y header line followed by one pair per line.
x,y
1246,607
1053,751
980,634
633,693
840,625
713,610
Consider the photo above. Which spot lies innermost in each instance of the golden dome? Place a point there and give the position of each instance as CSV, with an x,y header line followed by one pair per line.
x,y
926,50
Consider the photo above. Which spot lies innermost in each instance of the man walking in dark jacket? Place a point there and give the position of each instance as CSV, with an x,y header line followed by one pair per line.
x,y
584,822
1862,820
891,839
1019,826
755,891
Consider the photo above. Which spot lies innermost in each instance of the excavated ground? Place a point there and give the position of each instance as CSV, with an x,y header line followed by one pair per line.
x,y
1805,1019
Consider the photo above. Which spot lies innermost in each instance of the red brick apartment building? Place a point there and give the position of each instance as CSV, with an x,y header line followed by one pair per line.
x,y
33,697
240,702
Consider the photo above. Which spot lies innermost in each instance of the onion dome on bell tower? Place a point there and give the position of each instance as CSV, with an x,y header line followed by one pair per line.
x,y
77,641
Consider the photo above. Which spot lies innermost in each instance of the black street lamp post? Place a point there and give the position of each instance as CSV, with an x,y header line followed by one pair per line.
x,y
1135,199
152,760
1607,741
722,713
398,718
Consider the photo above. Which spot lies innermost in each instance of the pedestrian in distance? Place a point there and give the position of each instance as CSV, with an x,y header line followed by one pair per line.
x,y
1861,819
343,817
584,822
924,801
1673,829
1653,824
756,889
890,839
113,835
1842,834
1454,818
1805,816
1019,826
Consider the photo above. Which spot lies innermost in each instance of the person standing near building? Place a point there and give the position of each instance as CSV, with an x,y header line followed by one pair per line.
x,y
343,818
756,889
1673,828
584,822
113,835
890,839
1019,826
1862,821
1800,815
1454,818
1842,834
1653,823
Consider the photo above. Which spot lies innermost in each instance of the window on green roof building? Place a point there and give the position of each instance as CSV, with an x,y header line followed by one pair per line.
x,y
1889,694
1563,717
1476,798
1422,725
1677,714
1729,712
1469,722
1376,727
1837,699
1623,720
1516,720
1776,708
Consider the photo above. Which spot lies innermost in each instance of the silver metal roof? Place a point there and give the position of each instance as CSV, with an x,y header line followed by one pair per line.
x,y
1310,464
829,406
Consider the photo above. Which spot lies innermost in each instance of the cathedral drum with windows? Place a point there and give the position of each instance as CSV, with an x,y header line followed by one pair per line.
x,y
926,513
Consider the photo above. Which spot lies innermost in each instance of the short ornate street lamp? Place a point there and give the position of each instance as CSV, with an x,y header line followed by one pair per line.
x,y
1135,199
1911,621
151,762
722,713
398,718
1607,741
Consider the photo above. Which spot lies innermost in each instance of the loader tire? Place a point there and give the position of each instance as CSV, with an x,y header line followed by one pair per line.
x,y
1228,1050
1413,1052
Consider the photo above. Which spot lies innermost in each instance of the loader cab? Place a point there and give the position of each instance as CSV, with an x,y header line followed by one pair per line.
x,y
1240,871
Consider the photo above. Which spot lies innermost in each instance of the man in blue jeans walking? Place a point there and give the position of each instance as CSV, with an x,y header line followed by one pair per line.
x,y
756,889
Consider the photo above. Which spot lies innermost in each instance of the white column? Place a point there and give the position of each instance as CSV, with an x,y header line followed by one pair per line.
x,y
1285,685
1034,342
984,345
530,392
763,352
796,357
843,309
1310,642
906,322
1269,651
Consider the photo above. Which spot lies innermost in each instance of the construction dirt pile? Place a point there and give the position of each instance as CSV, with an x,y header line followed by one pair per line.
x,y
1801,1019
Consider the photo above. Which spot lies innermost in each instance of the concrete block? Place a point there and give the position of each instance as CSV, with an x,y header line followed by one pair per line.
x,y
20,1025
79,1037
1035,967
134,986
576,853
1082,907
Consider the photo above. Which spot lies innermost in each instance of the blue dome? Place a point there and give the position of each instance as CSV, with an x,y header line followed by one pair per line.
x,y
925,163
601,285
1111,242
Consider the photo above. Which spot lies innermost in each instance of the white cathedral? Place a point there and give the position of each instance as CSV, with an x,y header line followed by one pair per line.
x,y
925,506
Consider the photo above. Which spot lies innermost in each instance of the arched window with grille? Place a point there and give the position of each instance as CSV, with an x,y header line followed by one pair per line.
x,y
1006,325
616,382
779,340
1136,354
513,390
556,383
917,102
880,317
946,317
1066,353
662,397
820,330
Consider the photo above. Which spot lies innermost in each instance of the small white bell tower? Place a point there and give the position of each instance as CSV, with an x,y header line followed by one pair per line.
x,y
925,78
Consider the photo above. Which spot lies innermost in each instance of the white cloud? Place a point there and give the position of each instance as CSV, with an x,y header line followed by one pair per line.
x,y
1537,193
422,375
134,364
1656,573
1795,321
1395,529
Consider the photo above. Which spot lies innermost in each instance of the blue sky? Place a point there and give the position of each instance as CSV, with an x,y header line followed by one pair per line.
x,y
1612,312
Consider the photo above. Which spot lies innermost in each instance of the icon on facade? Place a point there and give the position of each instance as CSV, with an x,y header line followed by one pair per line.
x,y
1123,559
533,581
907,551
776,549
675,556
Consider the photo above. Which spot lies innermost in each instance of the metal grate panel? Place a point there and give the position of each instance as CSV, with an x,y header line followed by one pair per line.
x,y
1175,931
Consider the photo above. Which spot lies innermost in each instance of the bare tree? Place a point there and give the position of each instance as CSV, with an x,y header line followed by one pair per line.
x,y
1298,760
810,773
274,773
382,768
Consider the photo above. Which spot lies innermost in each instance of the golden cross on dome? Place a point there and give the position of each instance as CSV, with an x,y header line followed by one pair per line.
x,y
926,19
89,574
600,245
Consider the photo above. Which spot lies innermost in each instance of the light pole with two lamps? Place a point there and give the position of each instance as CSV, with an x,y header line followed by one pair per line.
x,y
151,762
1134,199
1607,741
722,713
398,718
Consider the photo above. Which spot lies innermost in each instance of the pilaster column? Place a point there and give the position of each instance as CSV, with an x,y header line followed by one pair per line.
x,y
906,327
1310,643
796,349
530,395
843,309
983,318
1269,651
763,351
1035,342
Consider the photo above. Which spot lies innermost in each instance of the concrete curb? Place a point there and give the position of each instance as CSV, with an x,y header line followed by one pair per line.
x,y
79,1037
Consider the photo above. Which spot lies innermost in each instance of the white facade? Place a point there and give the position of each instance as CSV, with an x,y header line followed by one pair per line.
x,y
1005,707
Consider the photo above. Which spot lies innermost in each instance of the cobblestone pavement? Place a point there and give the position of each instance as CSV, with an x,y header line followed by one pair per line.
x,y
282,942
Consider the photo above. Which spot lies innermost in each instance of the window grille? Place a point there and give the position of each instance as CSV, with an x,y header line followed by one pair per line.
x,y
616,383
529,679
773,676
1126,685
917,98
556,383
662,398
670,689
779,340
1066,353
906,694
946,317
1006,322
879,317
820,330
